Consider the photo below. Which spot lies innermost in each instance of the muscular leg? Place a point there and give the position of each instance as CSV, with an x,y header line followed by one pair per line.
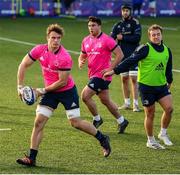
x,y
83,126
90,129
134,87
37,132
36,137
86,96
112,107
166,104
125,86
134,90
149,118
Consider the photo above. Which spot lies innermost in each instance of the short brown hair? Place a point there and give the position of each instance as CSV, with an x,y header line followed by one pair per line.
x,y
55,28
94,19
155,27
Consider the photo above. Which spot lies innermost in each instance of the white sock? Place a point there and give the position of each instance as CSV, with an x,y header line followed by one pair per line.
x,y
120,119
151,138
163,131
135,102
96,117
127,101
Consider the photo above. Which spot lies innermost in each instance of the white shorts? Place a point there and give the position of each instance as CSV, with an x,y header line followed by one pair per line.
x,y
130,73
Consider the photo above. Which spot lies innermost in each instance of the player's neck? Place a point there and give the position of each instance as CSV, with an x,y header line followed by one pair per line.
x,y
53,49
98,34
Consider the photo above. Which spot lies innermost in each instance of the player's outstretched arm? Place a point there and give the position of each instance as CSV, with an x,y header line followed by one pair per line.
x,y
25,63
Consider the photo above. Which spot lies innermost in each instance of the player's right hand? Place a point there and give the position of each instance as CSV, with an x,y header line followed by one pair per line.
x,y
81,63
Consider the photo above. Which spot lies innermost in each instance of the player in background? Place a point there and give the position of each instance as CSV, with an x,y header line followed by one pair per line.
x,y
56,64
127,32
96,48
154,77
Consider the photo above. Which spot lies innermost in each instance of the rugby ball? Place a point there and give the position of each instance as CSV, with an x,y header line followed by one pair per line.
x,y
28,95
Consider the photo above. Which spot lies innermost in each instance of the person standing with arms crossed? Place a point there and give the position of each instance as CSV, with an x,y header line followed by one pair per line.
x,y
96,48
155,78
56,64
127,32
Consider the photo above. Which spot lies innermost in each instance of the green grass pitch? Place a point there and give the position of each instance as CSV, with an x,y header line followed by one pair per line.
x,y
65,149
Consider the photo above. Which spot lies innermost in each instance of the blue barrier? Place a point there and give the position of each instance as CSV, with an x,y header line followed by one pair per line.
x,y
82,8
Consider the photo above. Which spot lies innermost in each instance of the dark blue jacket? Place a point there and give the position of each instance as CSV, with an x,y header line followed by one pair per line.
x,y
131,31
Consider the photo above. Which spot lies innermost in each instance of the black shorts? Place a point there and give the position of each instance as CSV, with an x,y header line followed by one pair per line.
x,y
68,98
98,84
150,94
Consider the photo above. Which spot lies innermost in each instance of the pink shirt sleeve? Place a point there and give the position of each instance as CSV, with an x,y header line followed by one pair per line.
x,y
36,52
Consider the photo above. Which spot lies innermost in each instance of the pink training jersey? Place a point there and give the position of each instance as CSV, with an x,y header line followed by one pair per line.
x,y
98,51
52,63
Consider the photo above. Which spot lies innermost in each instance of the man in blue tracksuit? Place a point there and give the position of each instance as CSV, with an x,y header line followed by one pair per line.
x,y
127,32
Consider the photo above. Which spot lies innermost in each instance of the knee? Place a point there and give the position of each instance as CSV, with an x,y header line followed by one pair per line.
x,y
37,124
75,122
134,81
84,98
150,114
125,79
169,110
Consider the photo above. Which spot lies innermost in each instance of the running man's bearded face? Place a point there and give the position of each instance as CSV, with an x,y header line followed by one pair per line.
x,y
126,13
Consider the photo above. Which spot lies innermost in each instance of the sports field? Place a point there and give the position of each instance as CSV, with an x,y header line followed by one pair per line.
x,y
65,149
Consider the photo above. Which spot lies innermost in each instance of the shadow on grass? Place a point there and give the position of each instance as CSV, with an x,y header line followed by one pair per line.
x,y
21,169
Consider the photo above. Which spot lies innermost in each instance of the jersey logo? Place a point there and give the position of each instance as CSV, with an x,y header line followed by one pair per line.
x,y
56,63
99,90
41,58
145,102
128,25
87,45
91,85
73,104
160,66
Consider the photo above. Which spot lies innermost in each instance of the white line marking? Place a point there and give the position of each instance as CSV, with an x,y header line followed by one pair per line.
x,y
176,70
30,44
5,129
33,44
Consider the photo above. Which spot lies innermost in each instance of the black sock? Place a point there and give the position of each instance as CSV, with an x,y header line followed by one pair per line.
x,y
99,136
33,154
